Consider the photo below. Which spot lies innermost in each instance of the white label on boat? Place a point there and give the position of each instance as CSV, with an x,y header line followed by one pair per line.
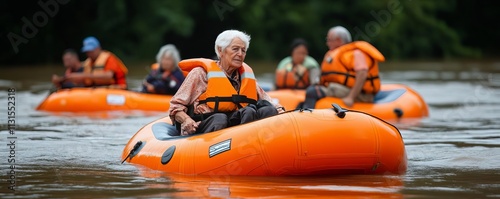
x,y
115,99
219,148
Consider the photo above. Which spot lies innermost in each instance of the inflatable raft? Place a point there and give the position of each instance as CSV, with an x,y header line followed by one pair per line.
x,y
393,102
314,142
103,99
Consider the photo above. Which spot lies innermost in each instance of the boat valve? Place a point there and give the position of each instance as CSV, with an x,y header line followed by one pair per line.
x,y
399,113
339,110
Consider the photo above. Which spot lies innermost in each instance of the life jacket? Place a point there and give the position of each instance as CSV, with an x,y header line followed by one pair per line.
x,y
289,77
155,66
220,95
98,66
338,66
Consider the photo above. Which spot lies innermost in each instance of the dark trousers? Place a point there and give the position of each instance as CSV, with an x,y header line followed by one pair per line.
x,y
244,115
313,94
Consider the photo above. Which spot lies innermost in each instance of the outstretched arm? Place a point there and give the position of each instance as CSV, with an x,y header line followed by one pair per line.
x,y
361,69
81,77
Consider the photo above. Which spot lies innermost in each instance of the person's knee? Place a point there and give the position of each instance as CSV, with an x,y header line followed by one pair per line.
x,y
266,111
219,119
215,122
248,114
314,92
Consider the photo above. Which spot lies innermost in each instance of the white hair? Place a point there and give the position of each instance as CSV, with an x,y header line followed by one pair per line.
x,y
341,32
225,38
169,50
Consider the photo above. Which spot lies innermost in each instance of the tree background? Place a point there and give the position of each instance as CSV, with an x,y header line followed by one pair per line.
x,y
135,30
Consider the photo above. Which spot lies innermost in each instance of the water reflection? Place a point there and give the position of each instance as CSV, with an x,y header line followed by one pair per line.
x,y
280,187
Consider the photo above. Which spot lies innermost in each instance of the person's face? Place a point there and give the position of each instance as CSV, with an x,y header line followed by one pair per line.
x,y
299,53
332,41
234,54
167,62
70,60
93,54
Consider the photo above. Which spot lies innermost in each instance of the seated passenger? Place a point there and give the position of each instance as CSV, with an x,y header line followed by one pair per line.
x,y
220,94
348,71
299,70
101,69
73,65
165,77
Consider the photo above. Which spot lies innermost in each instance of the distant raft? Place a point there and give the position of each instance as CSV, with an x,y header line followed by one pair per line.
x,y
316,142
393,102
103,99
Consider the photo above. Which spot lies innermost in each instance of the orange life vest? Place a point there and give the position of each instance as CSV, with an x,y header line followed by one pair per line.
x,y
220,95
155,66
338,66
289,77
97,67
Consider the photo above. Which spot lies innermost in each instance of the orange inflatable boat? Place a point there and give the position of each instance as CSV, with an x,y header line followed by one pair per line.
x,y
315,142
393,102
103,99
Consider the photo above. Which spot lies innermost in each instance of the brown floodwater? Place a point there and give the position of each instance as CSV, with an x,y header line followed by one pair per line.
x,y
455,153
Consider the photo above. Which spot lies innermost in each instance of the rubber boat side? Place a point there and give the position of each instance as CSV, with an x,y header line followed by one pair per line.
x,y
393,102
294,143
102,99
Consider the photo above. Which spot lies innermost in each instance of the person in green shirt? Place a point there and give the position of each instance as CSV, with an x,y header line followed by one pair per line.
x,y
299,70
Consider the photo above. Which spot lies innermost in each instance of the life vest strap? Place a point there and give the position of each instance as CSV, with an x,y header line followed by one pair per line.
x,y
347,76
301,79
236,99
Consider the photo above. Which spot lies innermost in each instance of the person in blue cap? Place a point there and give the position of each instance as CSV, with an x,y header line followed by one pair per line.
x,y
101,68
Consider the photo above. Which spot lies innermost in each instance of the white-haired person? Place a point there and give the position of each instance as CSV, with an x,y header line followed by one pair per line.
x,y
220,94
165,76
349,70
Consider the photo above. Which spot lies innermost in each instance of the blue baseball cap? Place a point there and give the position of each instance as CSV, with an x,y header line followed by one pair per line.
x,y
90,43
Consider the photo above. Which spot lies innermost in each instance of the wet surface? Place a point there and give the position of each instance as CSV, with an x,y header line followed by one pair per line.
x,y
453,153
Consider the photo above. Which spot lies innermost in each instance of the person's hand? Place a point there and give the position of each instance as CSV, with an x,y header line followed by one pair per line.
x,y
149,87
189,126
348,101
57,81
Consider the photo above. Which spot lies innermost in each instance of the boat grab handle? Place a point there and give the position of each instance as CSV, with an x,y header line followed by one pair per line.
x,y
339,110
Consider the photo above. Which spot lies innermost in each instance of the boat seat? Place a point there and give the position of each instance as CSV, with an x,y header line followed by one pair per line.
x,y
388,96
165,131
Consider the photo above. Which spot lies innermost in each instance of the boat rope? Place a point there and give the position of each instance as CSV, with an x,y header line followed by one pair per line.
x,y
356,111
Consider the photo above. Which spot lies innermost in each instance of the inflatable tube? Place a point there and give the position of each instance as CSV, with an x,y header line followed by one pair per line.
x,y
313,142
393,102
103,99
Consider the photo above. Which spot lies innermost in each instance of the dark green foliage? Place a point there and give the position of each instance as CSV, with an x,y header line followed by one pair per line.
x,y
135,30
